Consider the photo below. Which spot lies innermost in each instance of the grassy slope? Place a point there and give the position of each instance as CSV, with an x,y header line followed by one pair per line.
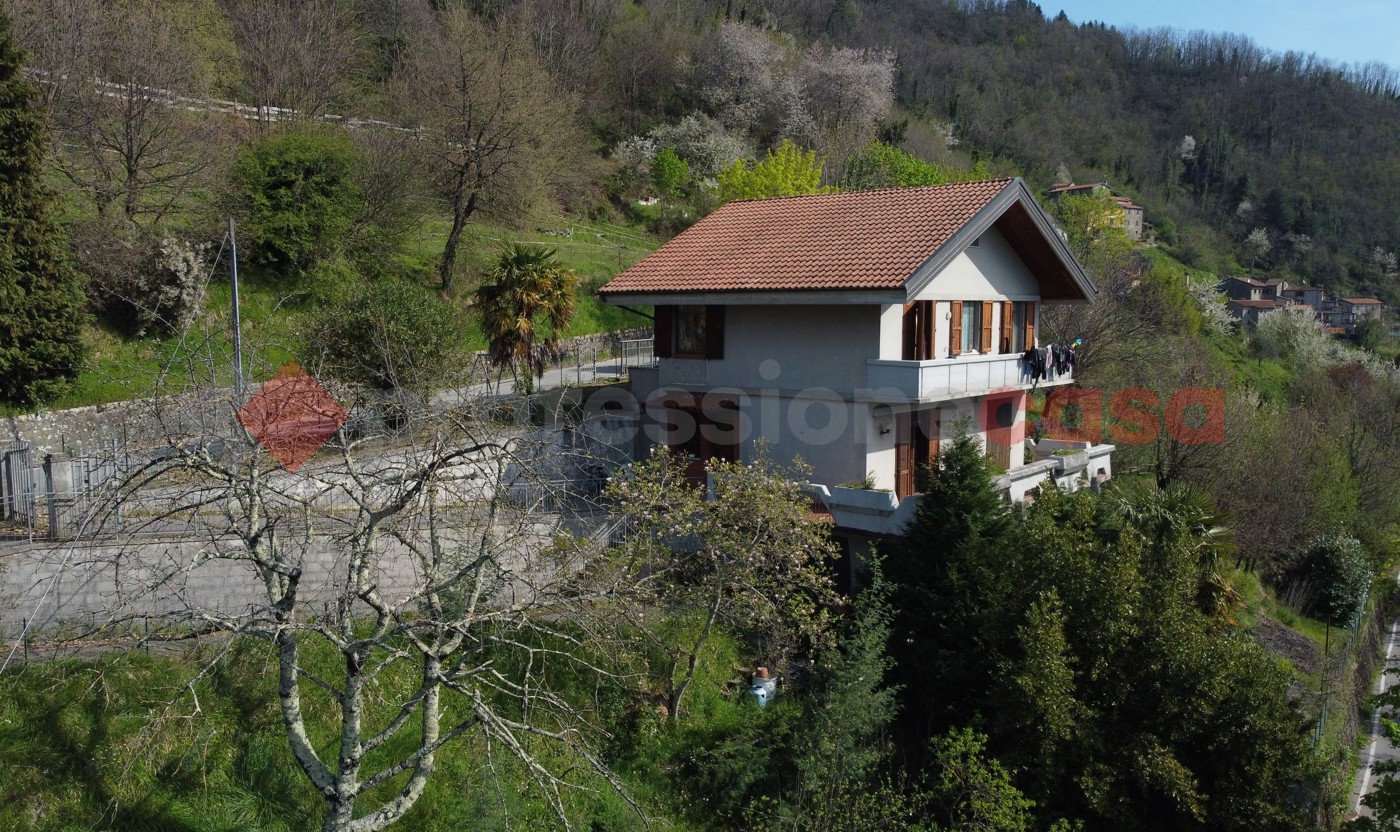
x,y
273,315
115,744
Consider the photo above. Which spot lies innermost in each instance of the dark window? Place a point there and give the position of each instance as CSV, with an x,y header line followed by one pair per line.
x,y
971,326
690,331
698,331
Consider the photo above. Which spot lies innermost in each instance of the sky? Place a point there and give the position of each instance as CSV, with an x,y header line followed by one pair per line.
x,y
1343,31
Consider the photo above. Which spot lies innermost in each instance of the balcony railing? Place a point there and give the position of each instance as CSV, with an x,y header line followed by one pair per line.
x,y
951,378
882,512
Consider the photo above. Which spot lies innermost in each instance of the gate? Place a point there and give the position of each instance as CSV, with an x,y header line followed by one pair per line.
x,y
18,486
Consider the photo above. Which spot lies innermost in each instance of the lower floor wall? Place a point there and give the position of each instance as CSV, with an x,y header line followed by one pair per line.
x,y
840,441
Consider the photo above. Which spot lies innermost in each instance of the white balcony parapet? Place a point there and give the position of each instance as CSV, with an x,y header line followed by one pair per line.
x,y
865,510
876,511
944,379
1079,464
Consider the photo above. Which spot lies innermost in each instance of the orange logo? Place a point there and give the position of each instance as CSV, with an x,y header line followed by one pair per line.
x,y
292,416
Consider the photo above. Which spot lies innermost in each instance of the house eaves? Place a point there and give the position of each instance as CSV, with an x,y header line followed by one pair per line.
x,y
1025,225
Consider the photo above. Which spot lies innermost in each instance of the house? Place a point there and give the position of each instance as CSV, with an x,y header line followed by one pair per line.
x,y
1310,296
857,331
1342,314
1247,288
1132,212
1248,311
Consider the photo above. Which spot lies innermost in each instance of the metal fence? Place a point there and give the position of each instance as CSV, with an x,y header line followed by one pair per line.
x,y
18,491
36,494
637,353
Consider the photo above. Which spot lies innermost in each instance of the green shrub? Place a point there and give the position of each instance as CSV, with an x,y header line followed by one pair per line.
x,y
298,197
389,335
1338,569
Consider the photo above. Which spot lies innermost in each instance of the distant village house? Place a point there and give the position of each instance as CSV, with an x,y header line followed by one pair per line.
x,y
1132,212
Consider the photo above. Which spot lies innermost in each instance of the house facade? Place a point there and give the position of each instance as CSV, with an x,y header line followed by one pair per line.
x,y
1348,312
856,332
1133,213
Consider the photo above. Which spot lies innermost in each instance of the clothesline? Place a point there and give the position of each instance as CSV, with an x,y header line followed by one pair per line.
x,y
1050,361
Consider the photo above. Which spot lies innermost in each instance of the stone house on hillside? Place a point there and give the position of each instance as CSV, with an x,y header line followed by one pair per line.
x,y
1133,214
1343,314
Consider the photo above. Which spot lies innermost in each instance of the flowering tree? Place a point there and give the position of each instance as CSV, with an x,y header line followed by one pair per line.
x,y
747,554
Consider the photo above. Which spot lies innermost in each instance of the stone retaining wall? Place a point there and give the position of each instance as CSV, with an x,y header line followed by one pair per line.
x,y
62,589
88,430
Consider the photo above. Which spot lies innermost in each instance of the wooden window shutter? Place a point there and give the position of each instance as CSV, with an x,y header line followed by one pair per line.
x,y
904,473
661,331
955,331
910,346
927,311
1030,324
1006,317
714,331
987,307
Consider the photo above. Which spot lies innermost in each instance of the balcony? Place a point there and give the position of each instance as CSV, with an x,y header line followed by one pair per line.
x,y
945,379
1070,466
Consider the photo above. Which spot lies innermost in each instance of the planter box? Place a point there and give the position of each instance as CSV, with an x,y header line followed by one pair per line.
x,y
864,500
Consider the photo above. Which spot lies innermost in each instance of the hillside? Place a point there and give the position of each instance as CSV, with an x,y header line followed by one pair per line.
x,y
1246,161
1213,134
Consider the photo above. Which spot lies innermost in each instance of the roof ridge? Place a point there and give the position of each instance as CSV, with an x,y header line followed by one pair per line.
x,y
890,189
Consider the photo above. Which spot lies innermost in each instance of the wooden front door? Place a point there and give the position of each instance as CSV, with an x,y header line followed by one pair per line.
x,y
915,450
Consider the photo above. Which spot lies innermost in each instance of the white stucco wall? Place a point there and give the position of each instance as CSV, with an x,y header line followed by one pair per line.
x,y
991,270
789,347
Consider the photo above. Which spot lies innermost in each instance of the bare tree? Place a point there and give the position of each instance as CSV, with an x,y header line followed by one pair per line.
x,y
406,579
494,129
301,58
123,82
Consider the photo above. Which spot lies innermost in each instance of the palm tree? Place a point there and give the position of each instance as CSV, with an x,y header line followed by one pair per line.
x,y
525,305
1184,518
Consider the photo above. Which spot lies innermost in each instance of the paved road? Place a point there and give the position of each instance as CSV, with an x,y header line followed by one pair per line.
x,y
1379,748
564,376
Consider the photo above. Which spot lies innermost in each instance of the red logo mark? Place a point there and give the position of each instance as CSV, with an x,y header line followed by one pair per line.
x,y
292,416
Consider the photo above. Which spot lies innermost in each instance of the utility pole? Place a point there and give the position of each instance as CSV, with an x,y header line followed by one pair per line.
x,y
237,324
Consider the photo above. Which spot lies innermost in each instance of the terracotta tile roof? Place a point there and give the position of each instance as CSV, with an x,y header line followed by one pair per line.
x,y
1360,301
860,240
1255,304
1062,187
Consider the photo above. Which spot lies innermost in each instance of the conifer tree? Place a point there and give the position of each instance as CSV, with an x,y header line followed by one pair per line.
x,y
950,571
41,298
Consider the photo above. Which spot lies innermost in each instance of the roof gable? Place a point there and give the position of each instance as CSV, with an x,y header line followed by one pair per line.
x,y
891,240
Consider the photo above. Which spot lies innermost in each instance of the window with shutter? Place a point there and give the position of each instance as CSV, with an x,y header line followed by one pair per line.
x,y
690,331
986,347
955,336
918,331
1006,316
1030,324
